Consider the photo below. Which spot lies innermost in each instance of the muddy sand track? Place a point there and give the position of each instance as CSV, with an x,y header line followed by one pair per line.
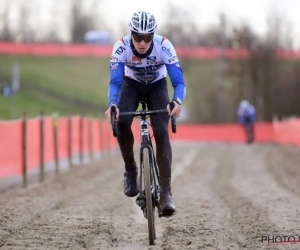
x,y
227,196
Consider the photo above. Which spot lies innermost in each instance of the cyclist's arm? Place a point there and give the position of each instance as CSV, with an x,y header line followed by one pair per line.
x,y
174,70
117,65
253,114
241,119
240,116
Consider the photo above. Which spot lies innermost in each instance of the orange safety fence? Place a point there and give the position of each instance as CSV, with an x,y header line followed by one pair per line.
x,y
63,135
287,132
78,135
222,132
10,148
33,143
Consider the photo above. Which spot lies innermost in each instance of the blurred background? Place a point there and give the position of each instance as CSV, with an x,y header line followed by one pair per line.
x,y
249,50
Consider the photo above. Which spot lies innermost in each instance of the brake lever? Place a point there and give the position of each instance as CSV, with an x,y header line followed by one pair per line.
x,y
173,118
113,113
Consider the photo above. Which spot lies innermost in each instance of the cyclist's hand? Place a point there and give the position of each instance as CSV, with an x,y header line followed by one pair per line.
x,y
108,114
176,110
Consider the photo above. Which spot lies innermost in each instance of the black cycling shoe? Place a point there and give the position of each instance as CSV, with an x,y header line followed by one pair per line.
x,y
130,183
167,204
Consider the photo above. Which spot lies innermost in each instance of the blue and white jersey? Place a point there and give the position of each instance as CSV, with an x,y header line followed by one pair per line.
x,y
246,114
162,60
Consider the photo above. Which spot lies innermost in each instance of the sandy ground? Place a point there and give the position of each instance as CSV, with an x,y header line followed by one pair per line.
x,y
228,196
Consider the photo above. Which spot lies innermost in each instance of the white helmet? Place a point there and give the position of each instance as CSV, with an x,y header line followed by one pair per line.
x,y
142,22
244,104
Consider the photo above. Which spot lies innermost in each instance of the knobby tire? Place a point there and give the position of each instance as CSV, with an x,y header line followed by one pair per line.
x,y
150,208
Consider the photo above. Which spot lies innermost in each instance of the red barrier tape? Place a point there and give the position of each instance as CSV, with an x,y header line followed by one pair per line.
x,y
287,132
223,133
97,136
105,51
10,148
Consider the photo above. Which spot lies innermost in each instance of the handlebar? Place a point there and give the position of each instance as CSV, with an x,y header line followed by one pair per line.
x,y
141,113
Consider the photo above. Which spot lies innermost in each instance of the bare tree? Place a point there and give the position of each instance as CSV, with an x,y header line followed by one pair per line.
x,y
26,31
82,21
5,32
265,78
181,30
51,37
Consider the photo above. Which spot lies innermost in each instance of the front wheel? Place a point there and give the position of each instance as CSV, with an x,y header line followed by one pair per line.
x,y
249,133
150,208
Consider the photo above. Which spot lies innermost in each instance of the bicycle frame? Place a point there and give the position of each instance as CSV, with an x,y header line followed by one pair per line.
x,y
146,142
148,168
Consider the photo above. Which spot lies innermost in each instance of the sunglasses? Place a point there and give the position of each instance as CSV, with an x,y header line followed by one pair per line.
x,y
138,38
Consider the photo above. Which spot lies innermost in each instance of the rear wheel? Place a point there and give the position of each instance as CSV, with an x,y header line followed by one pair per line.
x,y
149,203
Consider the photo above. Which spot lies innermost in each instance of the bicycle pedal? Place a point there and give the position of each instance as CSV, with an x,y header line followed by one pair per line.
x,y
166,216
141,201
145,213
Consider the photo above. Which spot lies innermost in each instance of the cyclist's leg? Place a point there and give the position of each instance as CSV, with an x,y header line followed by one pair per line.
x,y
249,132
128,102
246,132
159,99
252,132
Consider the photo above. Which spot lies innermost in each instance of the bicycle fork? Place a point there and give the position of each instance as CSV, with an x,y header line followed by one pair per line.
x,y
155,189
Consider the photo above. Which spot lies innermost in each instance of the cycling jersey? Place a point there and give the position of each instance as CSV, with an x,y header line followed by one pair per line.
x,y
154,67
246,115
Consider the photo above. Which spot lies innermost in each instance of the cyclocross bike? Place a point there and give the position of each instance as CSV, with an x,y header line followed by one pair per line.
x,y
249,130
148,186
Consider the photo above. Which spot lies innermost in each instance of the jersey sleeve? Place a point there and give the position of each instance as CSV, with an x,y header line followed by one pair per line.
x,y
253,114
174,69
117,65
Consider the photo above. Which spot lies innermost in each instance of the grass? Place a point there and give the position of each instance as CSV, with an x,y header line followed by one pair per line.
x,y
68,85
78,85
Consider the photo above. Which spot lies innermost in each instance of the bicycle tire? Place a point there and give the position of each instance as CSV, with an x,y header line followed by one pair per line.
x,y
150,208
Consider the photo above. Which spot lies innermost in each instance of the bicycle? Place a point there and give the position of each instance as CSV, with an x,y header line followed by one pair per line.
x,y
249,130
148,186
249,133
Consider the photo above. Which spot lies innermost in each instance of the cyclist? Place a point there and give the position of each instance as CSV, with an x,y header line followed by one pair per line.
x,y
139,65
246,117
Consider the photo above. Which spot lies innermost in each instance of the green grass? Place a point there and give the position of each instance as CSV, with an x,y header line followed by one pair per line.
x,y
68,85
78,85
